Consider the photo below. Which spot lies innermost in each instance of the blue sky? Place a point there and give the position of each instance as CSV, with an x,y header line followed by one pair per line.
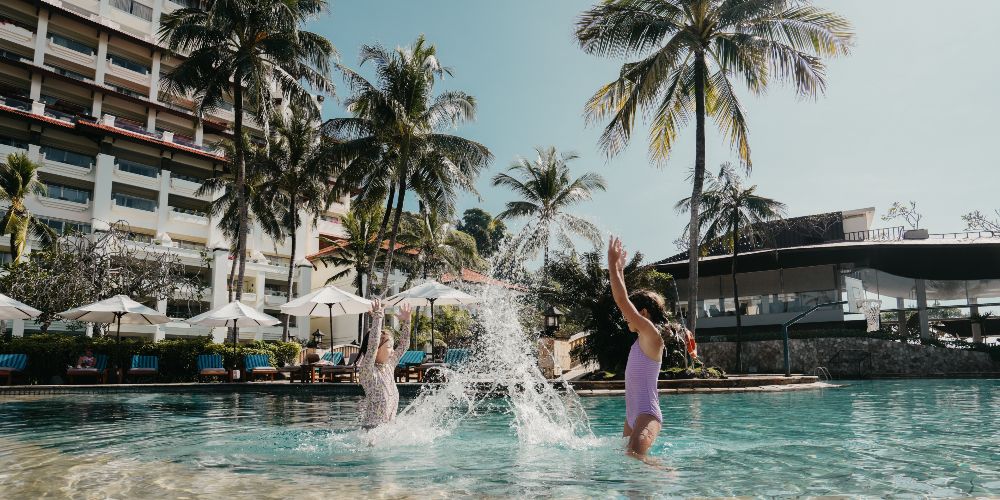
x,y
909,115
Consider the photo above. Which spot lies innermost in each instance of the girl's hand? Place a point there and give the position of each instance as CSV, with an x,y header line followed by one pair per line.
x,y
616,254
376,306
405,311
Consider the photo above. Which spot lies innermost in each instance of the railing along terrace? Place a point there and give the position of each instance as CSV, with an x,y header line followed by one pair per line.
x,y
879,234
13,102
965,235
6,54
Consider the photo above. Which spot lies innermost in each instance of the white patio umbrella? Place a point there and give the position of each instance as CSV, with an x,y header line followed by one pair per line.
x,y
430,294
118,309
13,309
234,314
328,301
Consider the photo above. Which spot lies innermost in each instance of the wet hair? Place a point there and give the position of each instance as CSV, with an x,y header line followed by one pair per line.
x,y
653,303
386,333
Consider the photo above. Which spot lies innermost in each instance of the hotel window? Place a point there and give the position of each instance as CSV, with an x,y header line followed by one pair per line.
x,y
139,237
128,64
188,4
71,44
189,245
136,202
137,168
135,8
12,142
68,157
61,226
66,193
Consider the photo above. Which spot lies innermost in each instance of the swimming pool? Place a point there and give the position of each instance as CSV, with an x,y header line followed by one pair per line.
x,y
905,438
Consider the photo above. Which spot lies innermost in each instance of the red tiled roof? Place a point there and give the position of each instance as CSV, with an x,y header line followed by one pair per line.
x,y
146,138
338,242
470,276
32,116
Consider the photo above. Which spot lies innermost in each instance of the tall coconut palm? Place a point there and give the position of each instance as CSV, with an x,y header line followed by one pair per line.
x,y
733,214
259,209
351,253
297,174
18,180
394,140
688,52
547,191
246,49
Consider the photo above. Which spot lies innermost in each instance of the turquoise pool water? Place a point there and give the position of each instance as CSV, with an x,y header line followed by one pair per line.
x,y
874,439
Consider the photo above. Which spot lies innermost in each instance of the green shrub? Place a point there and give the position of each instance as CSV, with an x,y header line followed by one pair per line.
x,y
50,354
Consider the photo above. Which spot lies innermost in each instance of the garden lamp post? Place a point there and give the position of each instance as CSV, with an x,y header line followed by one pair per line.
x,y
317,338
553,317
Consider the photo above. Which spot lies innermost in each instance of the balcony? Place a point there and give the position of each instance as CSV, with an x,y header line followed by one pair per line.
x,y
184,186
66,163
14,32
330,226
72,51
128,71
21,103
188,215
137,203
65,197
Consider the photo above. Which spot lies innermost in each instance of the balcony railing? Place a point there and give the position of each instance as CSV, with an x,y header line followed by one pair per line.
x,y
880,234
128,64
136,202
16,103
71,44
67,193
135,8
138,168
67,157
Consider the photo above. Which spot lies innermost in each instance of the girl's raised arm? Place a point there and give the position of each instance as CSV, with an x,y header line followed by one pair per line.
x,y
616,266
405,313
374,335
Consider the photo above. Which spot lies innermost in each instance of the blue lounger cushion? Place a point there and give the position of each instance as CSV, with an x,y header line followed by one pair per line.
x,y
13,362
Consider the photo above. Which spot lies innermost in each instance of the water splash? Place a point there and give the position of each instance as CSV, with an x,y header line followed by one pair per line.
x,y
501,374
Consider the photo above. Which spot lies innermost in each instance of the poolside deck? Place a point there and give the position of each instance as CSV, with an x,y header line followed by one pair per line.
x,y
757,383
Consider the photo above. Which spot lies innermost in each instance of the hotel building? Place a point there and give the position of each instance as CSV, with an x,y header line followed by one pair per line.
x,y
80,93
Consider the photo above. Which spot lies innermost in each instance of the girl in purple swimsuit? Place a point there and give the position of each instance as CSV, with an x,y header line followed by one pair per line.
x,y
646,314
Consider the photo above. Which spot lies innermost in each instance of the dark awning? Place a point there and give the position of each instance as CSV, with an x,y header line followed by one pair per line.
x,y
934,259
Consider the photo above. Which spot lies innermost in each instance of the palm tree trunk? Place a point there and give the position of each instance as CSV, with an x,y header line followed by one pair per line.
x,y
232,277
401,195
378,241
239,186
736,297
696,189
291,264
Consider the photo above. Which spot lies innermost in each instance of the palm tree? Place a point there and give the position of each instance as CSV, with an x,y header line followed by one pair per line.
x,y
244,49
689,53
18,180
394,140
297,172
351,253
733,214
547,191
437,246
260,209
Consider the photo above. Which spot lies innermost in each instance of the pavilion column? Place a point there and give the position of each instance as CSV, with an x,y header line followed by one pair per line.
x,y
901,315
925,328
977,327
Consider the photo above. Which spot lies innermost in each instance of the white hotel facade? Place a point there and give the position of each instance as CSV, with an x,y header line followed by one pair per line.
x,y
80,94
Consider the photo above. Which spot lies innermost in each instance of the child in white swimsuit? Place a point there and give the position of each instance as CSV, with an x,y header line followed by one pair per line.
x,y
377,375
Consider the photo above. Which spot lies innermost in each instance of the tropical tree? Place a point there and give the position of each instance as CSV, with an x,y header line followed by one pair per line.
x,y
18,180
547,191
688,52
732,214
393,143
351,253
436,245
488,232
244,49
227,208
296,173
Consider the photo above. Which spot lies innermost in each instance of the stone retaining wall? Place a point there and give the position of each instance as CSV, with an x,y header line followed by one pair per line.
x,y
850,357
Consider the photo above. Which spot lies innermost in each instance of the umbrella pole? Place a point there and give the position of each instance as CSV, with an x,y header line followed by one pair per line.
x,y
432,327
118,346
330,307
235,354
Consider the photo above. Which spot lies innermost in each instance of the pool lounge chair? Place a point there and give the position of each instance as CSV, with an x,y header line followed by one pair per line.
x,y
144,366
452,358
409,365
99,372
210,365
12,364
258,365
336,373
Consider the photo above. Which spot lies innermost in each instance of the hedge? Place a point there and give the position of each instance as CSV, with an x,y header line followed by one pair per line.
x,y
50,354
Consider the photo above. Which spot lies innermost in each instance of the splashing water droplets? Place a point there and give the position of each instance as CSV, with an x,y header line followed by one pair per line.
x,y
501,374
